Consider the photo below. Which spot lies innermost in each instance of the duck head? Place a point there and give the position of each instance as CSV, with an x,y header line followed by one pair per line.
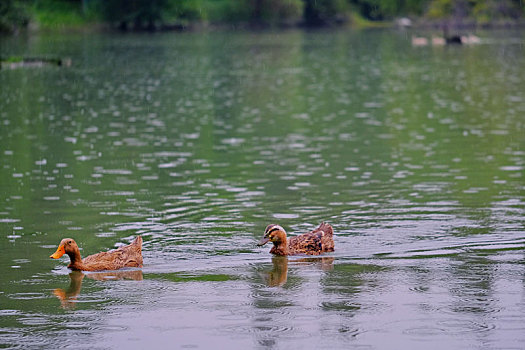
x,y
273,233
67,246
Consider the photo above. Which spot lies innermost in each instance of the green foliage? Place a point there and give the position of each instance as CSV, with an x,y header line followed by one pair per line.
x,y
151,14
275,11
264,12
323,12
60,13
13,15
384,9
480,10
190,10
137,14
141,14
12,59
490,10
439,8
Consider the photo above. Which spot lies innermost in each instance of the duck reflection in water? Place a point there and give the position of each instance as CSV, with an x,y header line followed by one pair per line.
x,y
68,297
278,275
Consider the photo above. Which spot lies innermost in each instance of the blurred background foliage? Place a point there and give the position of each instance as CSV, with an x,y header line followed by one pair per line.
x,y
157,14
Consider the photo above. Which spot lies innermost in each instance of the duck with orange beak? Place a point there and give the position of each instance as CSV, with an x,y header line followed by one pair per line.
x,y
126,256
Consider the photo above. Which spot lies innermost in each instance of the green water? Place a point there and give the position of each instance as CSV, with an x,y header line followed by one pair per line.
x,y
197,141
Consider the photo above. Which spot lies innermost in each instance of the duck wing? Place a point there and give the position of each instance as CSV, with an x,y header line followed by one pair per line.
x,y
315,242
126,256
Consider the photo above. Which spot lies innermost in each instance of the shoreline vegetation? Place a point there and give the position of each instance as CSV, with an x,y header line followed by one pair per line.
x,y
14,62
181,15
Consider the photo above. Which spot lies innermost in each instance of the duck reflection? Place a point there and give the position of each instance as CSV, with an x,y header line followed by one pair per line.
x,y
278,275
68,297
135,275
325,263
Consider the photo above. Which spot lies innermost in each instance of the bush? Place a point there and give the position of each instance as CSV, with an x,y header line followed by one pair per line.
x,y
136,14
480,10
490,10
259,12
274,12
14,15
387,9
324,12
60,13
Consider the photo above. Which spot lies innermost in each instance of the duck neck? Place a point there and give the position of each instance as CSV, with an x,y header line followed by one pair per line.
x,y
280,248
76,260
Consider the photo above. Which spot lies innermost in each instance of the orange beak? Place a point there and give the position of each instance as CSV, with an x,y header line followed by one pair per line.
x,y
60,251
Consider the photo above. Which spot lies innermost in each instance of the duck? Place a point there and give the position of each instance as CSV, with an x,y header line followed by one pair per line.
x,y
453,39
315,242
419,41
470,39
438,41
126,256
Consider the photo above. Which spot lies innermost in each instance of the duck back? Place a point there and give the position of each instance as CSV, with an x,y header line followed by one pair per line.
x,y
315,242
126,256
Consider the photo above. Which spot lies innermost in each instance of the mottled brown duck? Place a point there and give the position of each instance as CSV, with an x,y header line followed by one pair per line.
x,y
126,256
315,242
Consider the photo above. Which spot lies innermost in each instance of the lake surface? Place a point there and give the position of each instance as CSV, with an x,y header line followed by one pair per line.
x,y
197,141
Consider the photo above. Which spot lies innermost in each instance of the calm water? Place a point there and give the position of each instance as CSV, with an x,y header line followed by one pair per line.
x,y
198,141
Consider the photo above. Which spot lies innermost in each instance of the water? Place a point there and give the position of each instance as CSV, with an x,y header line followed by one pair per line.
x,y
197,141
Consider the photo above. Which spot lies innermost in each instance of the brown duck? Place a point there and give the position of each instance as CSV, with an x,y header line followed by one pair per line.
x,y
126,256
315,242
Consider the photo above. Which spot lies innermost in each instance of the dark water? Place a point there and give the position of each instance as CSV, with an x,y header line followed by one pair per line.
x,y
198,141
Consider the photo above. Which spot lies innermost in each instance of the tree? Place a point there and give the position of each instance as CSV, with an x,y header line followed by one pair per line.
x,y
14,15
481,10
136,14
383,9
323,12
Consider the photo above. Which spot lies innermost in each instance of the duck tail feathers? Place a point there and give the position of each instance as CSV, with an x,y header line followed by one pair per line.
x,y
137,241
326,228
